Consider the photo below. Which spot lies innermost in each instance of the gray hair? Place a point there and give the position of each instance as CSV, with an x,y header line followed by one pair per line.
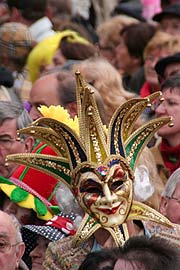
x,y
171,184
14,110
18,227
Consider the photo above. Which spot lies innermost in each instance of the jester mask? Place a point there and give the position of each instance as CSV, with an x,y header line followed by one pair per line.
x,y
98,164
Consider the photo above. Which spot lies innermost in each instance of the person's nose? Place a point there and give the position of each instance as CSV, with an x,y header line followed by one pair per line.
x,y
161,110
36,252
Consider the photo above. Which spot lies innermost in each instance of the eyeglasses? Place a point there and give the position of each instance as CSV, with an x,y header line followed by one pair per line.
x,y
5,246
7,143
176,199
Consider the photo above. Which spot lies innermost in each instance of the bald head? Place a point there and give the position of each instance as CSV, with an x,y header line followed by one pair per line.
x,y
58,88
44,92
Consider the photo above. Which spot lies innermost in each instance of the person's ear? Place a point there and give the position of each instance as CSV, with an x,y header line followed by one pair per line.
x,y
19,253
163,205
29,142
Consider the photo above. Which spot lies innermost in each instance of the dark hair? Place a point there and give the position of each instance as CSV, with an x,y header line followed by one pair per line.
x,y
99,260
136,37
151,253
31,10
171,82
140,251
76,50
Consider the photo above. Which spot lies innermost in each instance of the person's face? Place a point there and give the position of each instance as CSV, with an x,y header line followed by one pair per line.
x,y
43,92
105,192
150,62
172,69
124,61
171,25
23,215
38,254
10,250
9,144
170,207
170,107
126,265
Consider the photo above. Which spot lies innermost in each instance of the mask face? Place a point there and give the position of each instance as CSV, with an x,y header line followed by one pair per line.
x,y
105,192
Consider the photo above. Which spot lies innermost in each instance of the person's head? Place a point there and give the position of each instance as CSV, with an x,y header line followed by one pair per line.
x,y
70,49
99,260
55,89
42,54
27,11
11,245
170,199
53,230
161,45
129,51
142,252
77,50
169,19
170,106
168,66
103,76
15,44
12,118
108,34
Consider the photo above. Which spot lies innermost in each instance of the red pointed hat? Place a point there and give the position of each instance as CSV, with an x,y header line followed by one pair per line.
x,y
33,189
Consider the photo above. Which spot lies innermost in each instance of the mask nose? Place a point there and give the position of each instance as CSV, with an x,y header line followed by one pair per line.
x,y
110,197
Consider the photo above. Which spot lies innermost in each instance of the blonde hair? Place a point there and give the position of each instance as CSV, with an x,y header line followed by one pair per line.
x,y
98,72
109,31
162,40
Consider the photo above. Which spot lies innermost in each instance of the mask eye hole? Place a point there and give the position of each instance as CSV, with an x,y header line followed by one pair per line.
x,y
118,179
116,185
91,186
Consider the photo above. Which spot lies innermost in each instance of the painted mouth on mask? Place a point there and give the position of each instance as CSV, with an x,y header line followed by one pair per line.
x,y
109,211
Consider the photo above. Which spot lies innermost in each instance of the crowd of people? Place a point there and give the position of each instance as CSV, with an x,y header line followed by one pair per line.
x,y
89,135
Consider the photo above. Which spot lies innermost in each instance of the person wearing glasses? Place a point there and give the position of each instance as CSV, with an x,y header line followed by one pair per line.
x,y
11,244
170,200
12,117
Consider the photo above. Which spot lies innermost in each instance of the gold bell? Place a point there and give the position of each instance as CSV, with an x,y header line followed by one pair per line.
x,y
171,124
148,103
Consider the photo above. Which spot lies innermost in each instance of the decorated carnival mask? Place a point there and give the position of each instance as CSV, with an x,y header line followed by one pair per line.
x,y
98,165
